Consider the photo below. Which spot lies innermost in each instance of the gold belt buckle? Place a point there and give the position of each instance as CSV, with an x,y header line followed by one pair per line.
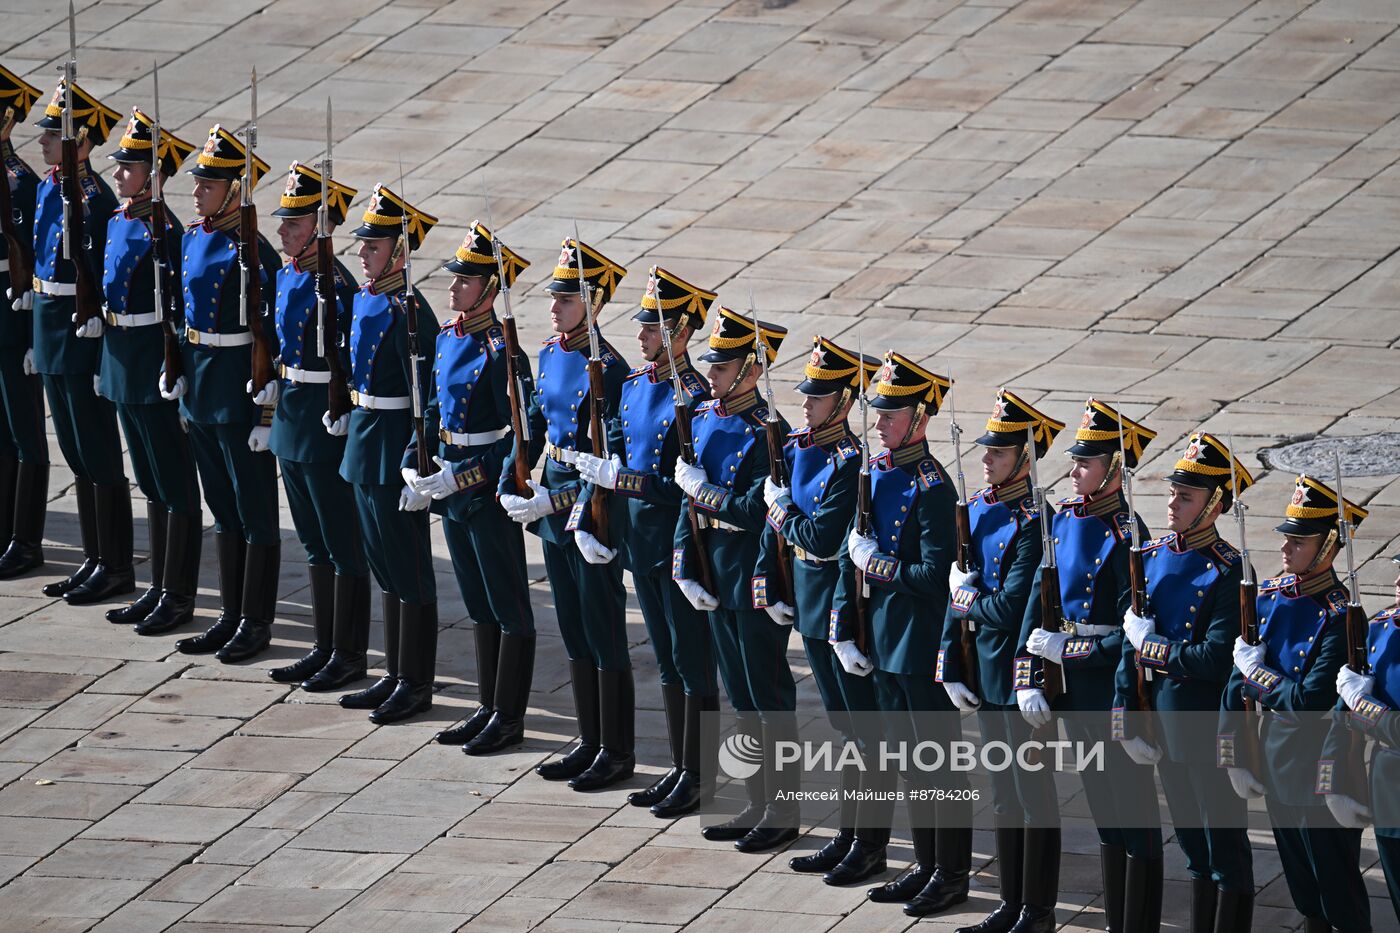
x,y
355,397
445,435
38,285
1068,627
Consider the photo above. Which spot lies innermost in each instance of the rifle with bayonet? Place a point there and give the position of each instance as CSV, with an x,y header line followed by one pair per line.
x,y
1249,754
706,576
1137,591
250,257
777,464
863,491
962,523
1357,630
327,303
426,466
18,248
515,384
1052,613
598,502
87,296
172,320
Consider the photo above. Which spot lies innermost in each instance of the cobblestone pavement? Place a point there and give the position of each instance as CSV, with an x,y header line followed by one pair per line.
x,y
1188,206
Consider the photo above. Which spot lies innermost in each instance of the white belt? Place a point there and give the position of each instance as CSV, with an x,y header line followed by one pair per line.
x,y
802,554
4,265
561,455
1085,630
471,440
44,287
722,526
130,320
293,374
380,402
205,339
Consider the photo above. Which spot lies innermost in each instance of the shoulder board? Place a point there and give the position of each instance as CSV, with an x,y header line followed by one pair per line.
x,y
757,415
798,434
929,474
1158,542
1027,505
880,461
553,339
639,371
1275,583
1122,525
846,448
91,188
1337,601
692,383
1226,553
978,496
709,405
496,339
608,355
1386,615
341,278
17,166
1070,500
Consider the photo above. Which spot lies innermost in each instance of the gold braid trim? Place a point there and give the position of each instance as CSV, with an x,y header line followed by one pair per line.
x,y
1191,466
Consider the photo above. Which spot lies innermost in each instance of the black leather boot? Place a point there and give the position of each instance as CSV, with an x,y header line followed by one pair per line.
x,y
673,706
1040,881
755,788
948,885
1142,895
113,574
1011,860
1234,910
180,578
9,483
323,623
488,658
254,633
514,674
156,514
1316,925
87,532
377,692
233,554
25,551
908,883
349,637
413,694
830,855
696,783
865,860
617,707
584,682
781,812
1204,895
1113,870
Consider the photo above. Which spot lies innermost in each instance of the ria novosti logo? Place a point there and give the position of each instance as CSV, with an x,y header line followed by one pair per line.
x,y
740,756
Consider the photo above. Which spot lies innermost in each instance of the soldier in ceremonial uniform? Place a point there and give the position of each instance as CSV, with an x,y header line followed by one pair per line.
x,y
86,423
583,576
1368,703
640,472
1293,670
132,349
24,451
812,515
322,503
726,485
905,562
228,429
470,415
991,597
1093,535
393,516
1192,581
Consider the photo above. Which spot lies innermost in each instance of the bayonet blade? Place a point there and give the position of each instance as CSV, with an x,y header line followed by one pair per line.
x,y
955,430
156,186
760,349
586,293
72,41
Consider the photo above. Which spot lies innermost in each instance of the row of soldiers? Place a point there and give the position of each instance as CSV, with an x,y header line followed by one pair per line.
x,y
904,607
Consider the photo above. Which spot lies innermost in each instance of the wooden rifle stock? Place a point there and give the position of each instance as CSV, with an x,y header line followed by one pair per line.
x,y
521,464
251,261
87,300
697,525
423,454
1357,787
17,251
172,319
862,601
1051,612
967,636
777,469
338,390
598,503
1249,754
1137,583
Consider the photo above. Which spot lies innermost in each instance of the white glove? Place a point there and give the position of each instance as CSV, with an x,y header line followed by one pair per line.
x,y
1351,814
89,329
1047,644
1247,656
410,501
267,395
598,471
257,439
963,698
337,428
781,613
853,660
1034,707
772,492
170,395
1246,786
958,578
592,549
1351,686
861,548
524,510
690,478
1140,751
29,369
437,485
697,595
1137,628
24,302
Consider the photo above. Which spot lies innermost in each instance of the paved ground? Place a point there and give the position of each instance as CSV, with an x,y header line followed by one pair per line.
x,y
1189,206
